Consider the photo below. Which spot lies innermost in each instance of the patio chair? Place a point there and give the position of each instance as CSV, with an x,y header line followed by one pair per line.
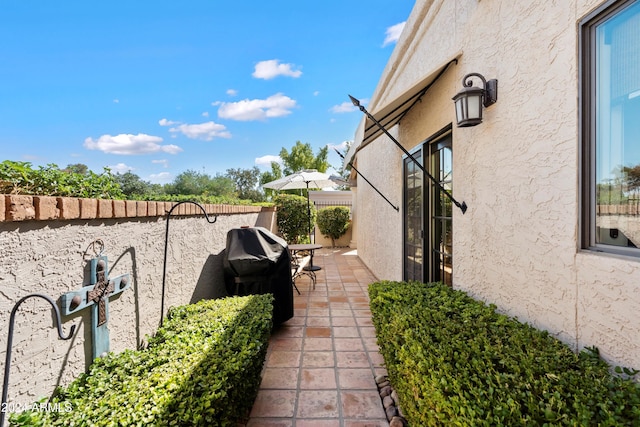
x,y
298,263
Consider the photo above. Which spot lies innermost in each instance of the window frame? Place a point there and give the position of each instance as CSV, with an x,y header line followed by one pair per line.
x,y
587,126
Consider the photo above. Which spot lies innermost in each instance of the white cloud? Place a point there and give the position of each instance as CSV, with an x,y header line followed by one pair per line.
x,y
393,33
266,160
232,92
128,144
273,68
345,107
205,114
116,101
163,162
205,131
316,93
160,178
165,122
277,105
121,168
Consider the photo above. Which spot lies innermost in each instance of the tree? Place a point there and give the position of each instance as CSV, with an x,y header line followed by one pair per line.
x,y
333,222
195,183
246,182
80,168
301,157
272,175
132,184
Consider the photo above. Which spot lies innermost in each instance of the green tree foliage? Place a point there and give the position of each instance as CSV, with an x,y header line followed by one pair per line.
x,y
292,217
301,157
272,175
197,183
50,180
80,168
333,222
632,177
246,182
131,184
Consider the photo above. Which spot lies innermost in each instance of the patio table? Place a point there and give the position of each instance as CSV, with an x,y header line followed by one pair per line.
x,y
311,247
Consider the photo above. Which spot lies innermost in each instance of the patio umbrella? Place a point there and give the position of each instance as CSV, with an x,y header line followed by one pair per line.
x,y
308,178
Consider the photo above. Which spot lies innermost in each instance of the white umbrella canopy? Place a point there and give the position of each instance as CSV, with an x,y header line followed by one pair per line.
x,y
304,179
308,178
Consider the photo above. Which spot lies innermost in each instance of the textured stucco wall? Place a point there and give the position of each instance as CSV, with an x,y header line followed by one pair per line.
x,y
48,257
517,245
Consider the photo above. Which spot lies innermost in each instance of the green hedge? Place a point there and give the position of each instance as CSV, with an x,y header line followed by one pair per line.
x,y
292,217
455,361
202,368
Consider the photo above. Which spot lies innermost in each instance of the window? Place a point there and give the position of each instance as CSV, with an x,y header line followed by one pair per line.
x,y
610,115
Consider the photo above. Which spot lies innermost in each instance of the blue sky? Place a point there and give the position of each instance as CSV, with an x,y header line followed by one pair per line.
x,y
165,86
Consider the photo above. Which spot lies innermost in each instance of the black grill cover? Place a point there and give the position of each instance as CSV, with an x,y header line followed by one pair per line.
x,y
257,261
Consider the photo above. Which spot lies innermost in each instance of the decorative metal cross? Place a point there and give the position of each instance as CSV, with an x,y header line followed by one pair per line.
x,y
96,295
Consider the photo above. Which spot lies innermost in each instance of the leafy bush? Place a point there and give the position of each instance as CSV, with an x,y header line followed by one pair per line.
x,y
455,361
21,178
202,368
292,217
333,222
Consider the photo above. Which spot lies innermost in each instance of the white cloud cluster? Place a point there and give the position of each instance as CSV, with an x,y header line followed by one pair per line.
x,y
121,168
393,33
128,144
160,178
273,68
345,107
163,162
266,160
277,105
205,131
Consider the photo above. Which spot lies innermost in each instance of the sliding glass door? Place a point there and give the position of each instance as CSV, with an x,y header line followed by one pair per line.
x,y
428,226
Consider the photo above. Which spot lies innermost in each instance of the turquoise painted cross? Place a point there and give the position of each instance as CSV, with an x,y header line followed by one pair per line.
x,y
96,295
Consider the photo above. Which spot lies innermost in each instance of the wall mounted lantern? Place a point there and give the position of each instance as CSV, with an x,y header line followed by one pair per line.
x,y
470,100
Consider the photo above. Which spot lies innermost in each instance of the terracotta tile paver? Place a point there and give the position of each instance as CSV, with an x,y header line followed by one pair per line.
x,y
321,364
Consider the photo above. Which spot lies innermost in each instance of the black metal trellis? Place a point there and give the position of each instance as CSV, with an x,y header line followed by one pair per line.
x,y
7,364
166,244
462,206
369,182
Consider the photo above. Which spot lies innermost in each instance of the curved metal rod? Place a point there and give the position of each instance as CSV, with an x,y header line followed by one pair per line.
x,y
166,244
7,364
467,82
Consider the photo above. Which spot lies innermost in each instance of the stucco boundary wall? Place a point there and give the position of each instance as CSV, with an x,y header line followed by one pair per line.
x,y
46,244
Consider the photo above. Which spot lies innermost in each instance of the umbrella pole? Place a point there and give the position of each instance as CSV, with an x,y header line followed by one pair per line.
x,y
309,211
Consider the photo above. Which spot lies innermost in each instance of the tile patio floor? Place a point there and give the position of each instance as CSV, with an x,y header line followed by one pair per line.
x,y
321,364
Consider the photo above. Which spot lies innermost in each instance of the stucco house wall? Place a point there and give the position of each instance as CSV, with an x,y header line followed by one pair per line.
x,y
517,245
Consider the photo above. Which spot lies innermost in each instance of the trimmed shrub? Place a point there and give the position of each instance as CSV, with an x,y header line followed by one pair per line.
x,y
333,222
202,368
455,361
292,217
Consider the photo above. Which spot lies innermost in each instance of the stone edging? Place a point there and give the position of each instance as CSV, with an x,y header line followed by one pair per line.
x,y
14,208
390,402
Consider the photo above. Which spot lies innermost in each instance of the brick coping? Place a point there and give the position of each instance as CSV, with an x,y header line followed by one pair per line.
x,y
14,208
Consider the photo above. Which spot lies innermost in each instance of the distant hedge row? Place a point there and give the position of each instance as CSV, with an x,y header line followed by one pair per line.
x,y
455,361
202,368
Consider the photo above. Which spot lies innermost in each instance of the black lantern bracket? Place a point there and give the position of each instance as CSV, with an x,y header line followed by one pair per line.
x,y
490,88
